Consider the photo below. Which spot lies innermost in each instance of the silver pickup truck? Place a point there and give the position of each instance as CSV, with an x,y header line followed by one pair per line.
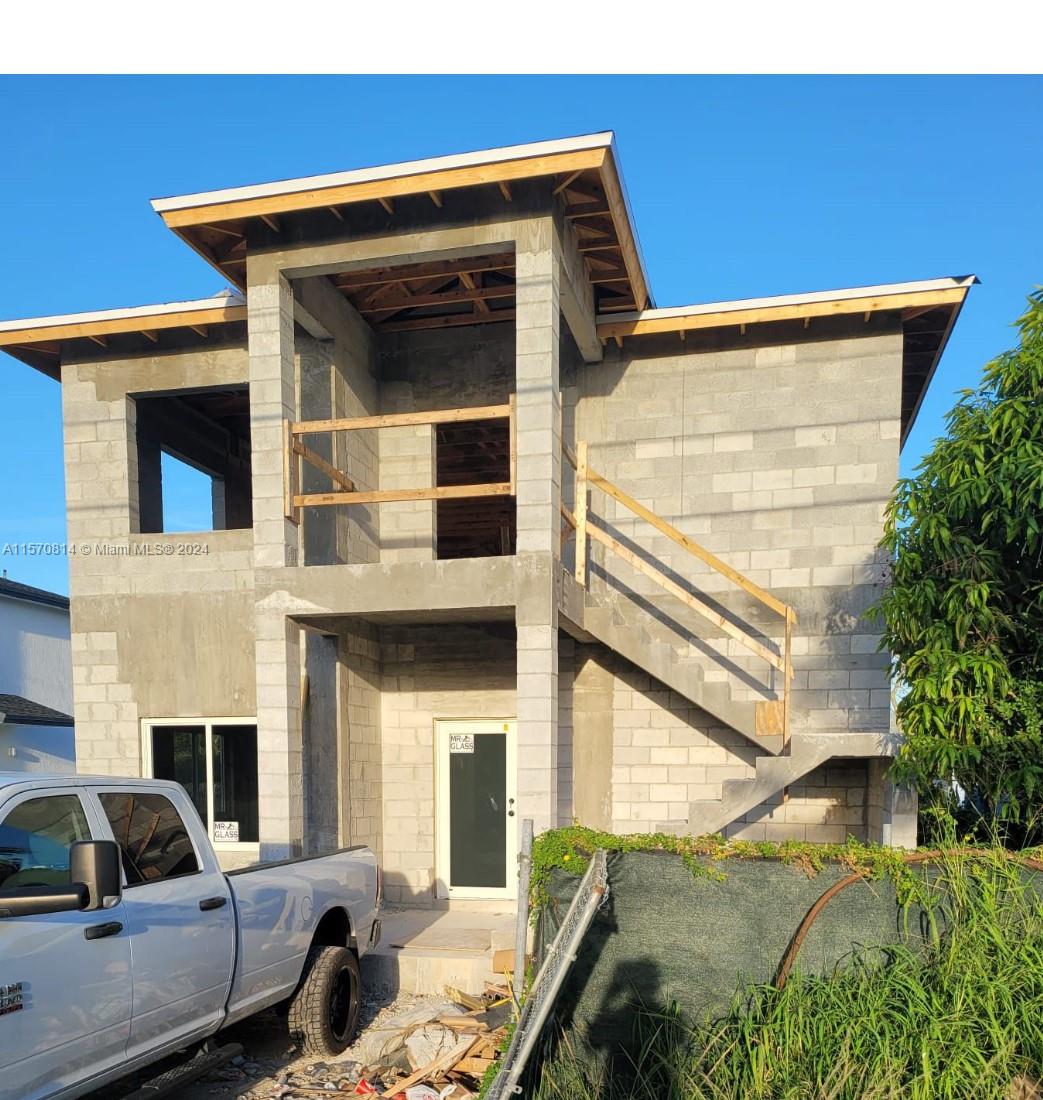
x,y
122,941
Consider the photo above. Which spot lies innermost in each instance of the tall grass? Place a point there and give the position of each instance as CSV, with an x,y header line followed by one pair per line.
x,y
962,1020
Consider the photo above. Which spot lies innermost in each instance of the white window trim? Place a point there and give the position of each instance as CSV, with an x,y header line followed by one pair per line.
x,y
147,726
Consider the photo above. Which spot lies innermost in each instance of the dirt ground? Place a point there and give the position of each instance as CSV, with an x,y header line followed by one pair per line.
x,y
271,1066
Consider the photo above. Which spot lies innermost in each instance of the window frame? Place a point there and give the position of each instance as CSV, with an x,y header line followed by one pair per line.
x,y
247,847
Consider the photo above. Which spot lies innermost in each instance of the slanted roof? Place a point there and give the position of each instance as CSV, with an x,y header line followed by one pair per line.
x,y
585,171
928,309
16,710
26,592
38,341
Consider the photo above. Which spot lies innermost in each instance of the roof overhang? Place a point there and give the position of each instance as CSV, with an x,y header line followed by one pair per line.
x,y
38,341
207,220
928,310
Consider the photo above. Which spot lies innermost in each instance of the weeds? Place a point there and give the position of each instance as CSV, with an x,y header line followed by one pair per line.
x,y
960,1020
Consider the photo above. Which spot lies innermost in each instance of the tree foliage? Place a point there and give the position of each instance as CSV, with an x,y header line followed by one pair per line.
x,y
963,614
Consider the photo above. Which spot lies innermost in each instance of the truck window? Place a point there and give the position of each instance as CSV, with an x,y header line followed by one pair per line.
x,y
35,838
151,835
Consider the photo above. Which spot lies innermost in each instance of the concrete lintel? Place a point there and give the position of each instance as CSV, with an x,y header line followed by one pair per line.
x,y
329,257
410,586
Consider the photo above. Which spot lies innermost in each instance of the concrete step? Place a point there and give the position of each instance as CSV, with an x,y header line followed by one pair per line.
x,y
773,773
424,950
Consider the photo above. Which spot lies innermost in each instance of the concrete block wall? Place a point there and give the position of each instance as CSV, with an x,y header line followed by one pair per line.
x,y
827,806
642,753
143,605
360,774
779,458
428,673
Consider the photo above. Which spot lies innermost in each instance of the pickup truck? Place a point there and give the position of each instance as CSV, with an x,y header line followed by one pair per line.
x,y
123,942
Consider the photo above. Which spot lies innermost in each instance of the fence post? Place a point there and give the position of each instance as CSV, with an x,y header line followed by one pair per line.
x,y
581,513
521,932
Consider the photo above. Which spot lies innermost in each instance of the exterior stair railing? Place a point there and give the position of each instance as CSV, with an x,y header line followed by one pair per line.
x,y
773,716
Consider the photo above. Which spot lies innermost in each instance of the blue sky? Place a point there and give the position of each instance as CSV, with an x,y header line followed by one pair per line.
x,y
740,187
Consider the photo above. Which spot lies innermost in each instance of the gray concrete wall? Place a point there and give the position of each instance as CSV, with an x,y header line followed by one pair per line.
x,y
447,671
161,624
780,460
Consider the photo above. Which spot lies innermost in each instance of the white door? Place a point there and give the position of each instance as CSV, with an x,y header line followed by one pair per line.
x,y
65,999
476,766
179,912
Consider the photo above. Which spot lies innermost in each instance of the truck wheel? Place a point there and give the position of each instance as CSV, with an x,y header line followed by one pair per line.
x,y
324,1012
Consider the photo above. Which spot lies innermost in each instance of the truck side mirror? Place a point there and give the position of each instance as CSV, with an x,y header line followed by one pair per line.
x,y
96,865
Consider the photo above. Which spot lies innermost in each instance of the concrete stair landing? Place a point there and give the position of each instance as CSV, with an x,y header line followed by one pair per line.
x,y
424,950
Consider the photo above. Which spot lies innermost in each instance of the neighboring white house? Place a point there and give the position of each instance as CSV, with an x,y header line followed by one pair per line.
x,y
36,726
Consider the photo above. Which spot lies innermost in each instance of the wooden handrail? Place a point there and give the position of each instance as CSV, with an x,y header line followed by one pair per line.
x,y
685,597
692,547
403,420
775,715
294,451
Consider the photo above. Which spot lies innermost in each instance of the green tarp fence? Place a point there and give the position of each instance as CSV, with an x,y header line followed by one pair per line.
x,y
668,936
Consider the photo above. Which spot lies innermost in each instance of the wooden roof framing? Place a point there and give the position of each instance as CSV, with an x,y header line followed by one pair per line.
x,y
585,176
39,341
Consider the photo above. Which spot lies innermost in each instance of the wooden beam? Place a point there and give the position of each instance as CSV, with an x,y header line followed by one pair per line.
x,y
202,330
694,602
150,334
472,294
101,341
325,467
289,471
418,184
469,281
505,189
617,204
451,321
436,198
575,215
225,231
797,311
271,221
403,420
387,203
81,329
688,544
336,213
566,181
502,261
394,496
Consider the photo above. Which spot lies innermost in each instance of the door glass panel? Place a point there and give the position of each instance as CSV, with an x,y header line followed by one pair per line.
x,y
35,838
478,810
179,753
235,783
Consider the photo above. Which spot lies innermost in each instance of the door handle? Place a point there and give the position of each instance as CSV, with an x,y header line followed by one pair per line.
x,y
100,931
212,903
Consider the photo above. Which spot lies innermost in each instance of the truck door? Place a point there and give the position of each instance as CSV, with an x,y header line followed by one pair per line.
x,y
65,999
179,913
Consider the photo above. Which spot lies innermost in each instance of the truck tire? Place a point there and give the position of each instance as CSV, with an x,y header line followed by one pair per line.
x,y
324,1012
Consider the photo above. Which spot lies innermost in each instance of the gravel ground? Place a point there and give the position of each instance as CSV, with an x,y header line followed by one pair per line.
x,y
271,1065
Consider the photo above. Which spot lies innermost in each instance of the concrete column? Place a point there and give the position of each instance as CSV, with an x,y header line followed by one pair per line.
x,y
321,757
890,809
280,785
538,496
592,739
272,400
